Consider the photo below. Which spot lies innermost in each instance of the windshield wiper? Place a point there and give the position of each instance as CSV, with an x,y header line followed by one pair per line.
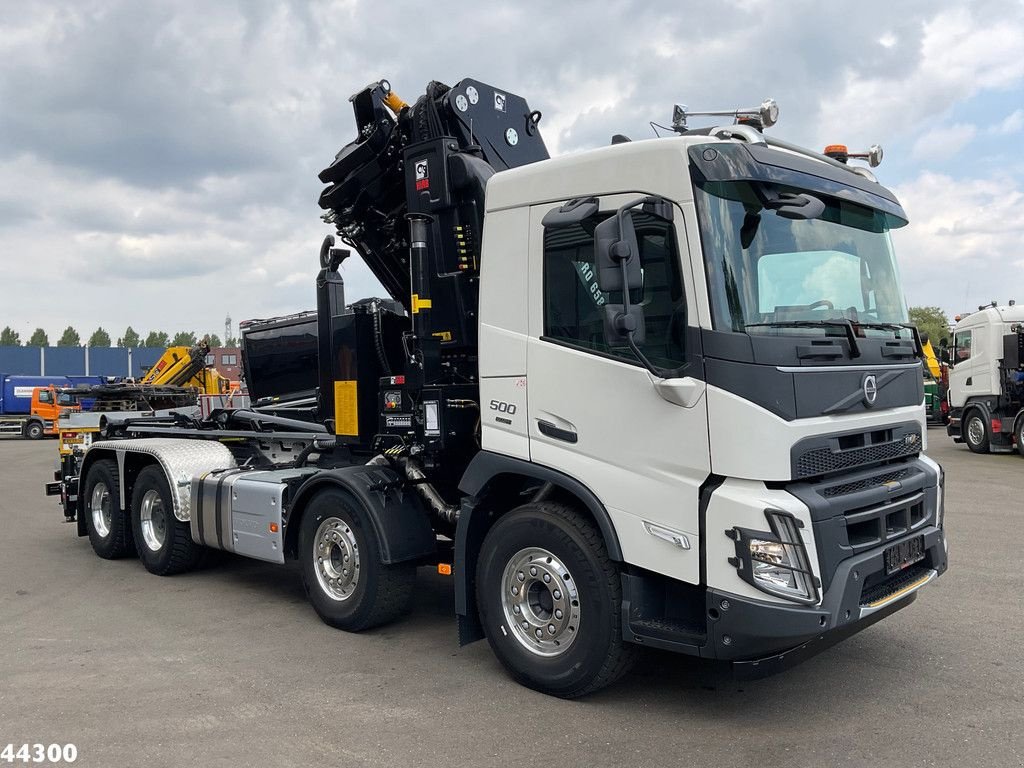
x,y
914,333
846,325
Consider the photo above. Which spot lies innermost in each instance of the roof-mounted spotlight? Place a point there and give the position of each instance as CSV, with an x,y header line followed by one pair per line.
x,y
764,116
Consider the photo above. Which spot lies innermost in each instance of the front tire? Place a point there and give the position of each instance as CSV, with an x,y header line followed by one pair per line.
x,y
550,601
110,530
33,430
976,432
163,542
348,584
1019,434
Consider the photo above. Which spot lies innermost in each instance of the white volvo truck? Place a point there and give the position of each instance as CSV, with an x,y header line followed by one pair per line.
x,y
661,393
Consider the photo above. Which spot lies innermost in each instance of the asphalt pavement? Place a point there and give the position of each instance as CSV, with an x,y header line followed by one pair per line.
x,y
230,666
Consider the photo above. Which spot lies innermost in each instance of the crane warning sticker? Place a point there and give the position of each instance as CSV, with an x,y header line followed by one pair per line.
x,y
422,175
499,101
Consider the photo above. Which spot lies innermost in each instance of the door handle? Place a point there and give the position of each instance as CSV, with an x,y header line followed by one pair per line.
x,y
969,381
549,429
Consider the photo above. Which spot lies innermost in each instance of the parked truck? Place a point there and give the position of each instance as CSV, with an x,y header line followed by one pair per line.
x,y
30,405
986,380
662,393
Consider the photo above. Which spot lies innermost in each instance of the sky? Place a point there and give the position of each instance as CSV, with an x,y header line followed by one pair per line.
x,y
158,160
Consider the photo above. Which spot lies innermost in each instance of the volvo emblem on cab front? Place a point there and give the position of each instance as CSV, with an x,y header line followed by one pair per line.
x,y
870,385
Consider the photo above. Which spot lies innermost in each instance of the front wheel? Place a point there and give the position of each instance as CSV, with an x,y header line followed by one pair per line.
x,y
550,601
33,430
348,584
164,543
976,432
1018,433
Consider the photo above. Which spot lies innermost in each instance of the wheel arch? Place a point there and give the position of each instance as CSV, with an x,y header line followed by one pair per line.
x,y
493,485
398,518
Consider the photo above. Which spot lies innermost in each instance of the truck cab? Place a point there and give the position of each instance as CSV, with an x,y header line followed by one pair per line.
x,y
47,404
786,394
985,380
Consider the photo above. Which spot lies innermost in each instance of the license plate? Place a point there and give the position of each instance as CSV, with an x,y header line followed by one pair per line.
x,y
904,554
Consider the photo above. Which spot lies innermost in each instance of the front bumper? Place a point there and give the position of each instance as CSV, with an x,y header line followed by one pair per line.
x,y
761,638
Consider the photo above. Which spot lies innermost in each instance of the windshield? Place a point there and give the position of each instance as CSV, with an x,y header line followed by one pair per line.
x,y
764,269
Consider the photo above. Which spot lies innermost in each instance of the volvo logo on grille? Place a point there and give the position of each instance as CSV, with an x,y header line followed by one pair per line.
x,y
870,387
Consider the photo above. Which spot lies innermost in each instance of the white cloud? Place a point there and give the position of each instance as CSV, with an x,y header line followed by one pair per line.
x,y
961,53
1012,123
942,143
962,246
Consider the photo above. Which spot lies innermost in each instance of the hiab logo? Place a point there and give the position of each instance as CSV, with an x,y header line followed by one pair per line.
x,y
422,175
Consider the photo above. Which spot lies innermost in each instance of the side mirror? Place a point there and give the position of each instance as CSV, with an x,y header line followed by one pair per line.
x,y
617,253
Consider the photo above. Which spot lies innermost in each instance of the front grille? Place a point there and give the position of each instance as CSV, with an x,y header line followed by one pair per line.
x,y
866,483
836,456
893,584
870,526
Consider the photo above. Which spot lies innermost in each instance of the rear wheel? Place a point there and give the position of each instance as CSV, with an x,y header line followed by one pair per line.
x,y
550,601
347,583
976,431
109,528
164,543
33,430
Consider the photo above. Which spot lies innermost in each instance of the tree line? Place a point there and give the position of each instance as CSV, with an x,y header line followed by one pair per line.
x,y
100,338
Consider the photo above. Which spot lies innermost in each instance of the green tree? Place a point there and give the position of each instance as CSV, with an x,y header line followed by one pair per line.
x,y
38,339
931,322
230,342
156,339
214,340
69,338
130,338
99,338
10,338
184,339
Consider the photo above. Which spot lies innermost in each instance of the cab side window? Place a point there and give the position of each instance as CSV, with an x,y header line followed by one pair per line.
x,y
962,346
574,303
44,396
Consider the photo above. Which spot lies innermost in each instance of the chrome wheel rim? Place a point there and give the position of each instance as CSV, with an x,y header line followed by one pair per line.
x,y
99,507
153,517
336,558
976,430
540,602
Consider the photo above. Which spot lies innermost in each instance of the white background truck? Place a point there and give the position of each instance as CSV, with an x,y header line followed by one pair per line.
x,y
986,380
660,394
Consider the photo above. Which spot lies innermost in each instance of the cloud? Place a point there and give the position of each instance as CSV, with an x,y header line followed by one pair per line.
x,y
159,161
943,143
953,55
1012,123
962,247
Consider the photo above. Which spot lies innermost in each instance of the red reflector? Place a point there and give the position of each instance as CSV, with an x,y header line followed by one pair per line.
x,y
997,425
398,379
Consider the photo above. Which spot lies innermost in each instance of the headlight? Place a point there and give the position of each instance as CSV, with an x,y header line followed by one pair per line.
x,y
776,562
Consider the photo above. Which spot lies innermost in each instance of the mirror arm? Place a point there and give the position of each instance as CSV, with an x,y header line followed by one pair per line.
x,y
629,331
